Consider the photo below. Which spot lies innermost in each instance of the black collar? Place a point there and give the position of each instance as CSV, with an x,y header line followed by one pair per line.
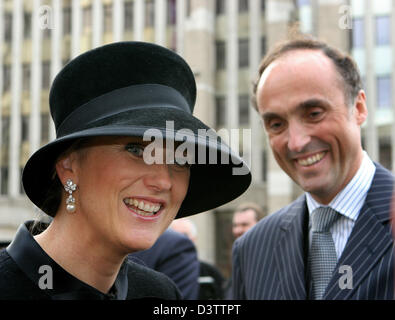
x,y
30,257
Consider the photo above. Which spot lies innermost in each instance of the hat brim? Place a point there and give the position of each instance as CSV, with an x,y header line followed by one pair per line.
x,y
210,186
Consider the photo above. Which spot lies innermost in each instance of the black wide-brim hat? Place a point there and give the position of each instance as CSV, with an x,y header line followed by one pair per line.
x,y
125,89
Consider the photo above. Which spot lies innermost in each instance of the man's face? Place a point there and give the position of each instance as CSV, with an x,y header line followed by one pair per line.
x,y
313,133
242,221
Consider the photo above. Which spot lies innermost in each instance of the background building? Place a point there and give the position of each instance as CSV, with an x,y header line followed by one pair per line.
x,y
223,41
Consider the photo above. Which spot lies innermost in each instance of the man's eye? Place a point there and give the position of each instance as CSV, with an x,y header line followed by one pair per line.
x,y
315,114
275,125
135,149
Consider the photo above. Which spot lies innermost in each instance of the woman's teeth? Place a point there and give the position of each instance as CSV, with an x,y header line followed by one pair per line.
x,y
311,160
145,209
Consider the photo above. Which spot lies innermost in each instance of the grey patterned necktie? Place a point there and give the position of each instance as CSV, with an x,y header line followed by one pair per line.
x,y
322,257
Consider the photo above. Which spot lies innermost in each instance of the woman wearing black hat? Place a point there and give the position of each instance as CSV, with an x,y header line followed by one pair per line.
x,y
105,198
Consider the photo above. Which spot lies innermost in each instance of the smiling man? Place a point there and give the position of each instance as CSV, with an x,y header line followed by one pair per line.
x,y
310,98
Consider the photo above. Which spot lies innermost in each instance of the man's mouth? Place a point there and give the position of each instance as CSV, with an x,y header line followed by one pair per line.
x,y
144,208
309,161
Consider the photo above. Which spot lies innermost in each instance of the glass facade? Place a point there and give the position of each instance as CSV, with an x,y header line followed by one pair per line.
x,y
384,91
383,30
358,33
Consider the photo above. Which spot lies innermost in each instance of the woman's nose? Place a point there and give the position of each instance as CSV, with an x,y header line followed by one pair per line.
x,y
159,178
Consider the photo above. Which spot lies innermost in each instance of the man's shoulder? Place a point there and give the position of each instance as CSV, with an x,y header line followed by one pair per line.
x,y
168,246
145,282
179,240
284,214
382,175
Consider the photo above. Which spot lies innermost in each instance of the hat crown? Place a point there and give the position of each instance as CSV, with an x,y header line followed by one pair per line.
x,y
116,66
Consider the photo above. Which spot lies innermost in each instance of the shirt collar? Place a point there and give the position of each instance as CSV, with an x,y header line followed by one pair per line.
x,y
350,200
29,256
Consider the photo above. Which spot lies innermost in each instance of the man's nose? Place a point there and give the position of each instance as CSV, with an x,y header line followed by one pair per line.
x,y
298,137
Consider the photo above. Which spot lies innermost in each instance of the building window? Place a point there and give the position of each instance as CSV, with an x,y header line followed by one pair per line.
x,y
44,127
5,135
149,13
8,26
220,55
384,92
188,8
4,180
128,16
219,7
243,5
107,18
263,46
26,77
358,33
301,3
220,111
5,130
171,12
66,20
244,109
27,24
25,128
46,31
87,17
243,53
385,153
6,77
45,74
383,30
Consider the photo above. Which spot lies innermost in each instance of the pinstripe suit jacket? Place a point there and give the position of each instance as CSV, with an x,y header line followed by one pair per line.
x,y
269,261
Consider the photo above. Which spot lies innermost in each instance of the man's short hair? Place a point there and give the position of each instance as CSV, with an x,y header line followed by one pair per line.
x,y
345,65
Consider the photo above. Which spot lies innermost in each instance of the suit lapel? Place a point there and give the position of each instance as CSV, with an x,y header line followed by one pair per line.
x,y
370,237
290,251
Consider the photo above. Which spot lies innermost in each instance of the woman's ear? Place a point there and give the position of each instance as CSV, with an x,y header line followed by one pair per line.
x,y
66,168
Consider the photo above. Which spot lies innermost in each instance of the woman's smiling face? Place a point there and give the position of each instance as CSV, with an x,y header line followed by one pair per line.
x,y
121,200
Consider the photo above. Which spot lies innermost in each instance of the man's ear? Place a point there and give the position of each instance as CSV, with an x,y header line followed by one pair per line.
x,y
66,168
360,110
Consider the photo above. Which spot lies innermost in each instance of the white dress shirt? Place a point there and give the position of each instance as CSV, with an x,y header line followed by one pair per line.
x,y
348,203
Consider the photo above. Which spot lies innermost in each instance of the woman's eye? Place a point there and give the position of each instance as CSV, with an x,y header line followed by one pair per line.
x,y
135,149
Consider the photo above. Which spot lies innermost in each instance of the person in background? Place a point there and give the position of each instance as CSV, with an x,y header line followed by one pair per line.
x,y
173,254
210,278
244,218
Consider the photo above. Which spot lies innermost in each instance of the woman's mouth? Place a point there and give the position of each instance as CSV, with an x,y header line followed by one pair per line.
x,y
143,207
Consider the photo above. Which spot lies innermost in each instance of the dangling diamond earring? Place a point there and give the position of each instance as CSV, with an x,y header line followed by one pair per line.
x,y
70,187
